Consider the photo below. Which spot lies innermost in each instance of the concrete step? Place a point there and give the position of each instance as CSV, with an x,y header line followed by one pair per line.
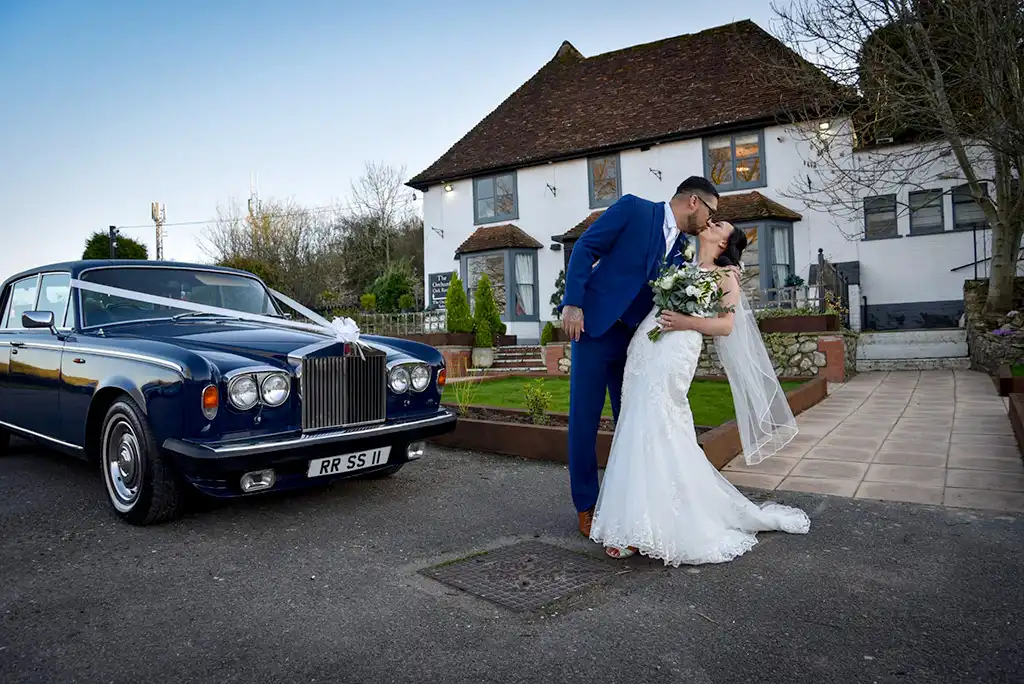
x,y
912,344
506,370
865,365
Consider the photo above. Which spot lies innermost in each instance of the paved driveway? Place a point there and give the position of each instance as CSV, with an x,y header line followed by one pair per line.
x,y
935,437
324,587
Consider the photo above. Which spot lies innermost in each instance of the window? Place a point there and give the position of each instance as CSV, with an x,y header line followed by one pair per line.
x,y
880,217
782,254
493,265
525,285
735,161
53,296
967,213
926,216
23,299
494,198
605,179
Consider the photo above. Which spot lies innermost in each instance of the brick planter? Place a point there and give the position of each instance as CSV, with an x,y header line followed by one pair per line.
x,y
1017,419
1007,383
551,443
799,324
457,360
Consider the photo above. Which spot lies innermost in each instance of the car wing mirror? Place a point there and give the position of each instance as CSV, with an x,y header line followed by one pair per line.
x,y
38,319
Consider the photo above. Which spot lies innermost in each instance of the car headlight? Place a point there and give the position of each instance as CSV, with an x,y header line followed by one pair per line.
x,y
399,380
275,389
243,393
420,376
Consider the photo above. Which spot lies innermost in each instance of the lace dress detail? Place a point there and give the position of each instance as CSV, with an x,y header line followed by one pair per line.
x,y
660,494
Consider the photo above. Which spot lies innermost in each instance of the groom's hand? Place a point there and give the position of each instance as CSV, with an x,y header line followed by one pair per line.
x,y
572,322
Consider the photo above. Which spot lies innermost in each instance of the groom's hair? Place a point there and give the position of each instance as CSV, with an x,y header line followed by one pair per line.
x,y
695,185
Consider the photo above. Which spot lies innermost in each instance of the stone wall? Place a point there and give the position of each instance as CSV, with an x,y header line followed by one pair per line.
x,y
832,355
993,342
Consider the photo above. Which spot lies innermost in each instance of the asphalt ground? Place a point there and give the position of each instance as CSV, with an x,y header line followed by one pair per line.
x,y
325,586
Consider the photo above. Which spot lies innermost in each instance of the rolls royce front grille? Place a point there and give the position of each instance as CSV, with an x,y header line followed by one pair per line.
x,y
344,391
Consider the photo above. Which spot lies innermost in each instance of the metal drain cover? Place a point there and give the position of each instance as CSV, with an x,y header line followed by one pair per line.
x,y
524,576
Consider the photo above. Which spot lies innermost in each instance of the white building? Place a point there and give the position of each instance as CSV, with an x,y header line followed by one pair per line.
x,y
535,172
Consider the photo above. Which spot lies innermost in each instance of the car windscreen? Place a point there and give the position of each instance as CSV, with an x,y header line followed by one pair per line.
x,y
224,290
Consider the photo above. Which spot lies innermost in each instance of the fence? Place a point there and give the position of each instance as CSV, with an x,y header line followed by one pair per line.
x,y
831,280
416,323
793,297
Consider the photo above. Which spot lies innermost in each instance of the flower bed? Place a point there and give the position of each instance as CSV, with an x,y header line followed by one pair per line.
x,y
799,324
1017,419
1009,379
512,432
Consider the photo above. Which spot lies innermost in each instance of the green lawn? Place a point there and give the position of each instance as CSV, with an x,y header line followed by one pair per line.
x,y
1017,371
710,400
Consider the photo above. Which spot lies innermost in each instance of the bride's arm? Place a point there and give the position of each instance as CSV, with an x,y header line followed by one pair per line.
x,y
716,327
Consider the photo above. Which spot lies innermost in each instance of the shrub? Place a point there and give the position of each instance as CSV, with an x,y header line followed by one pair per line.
x,y
547,334
538,400
406,302
457,308
368,302
487,308
556,298
484,336
391,286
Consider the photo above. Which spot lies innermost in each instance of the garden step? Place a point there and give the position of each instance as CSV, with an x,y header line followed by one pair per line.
x,y
865,365
528,363
912,344
496,369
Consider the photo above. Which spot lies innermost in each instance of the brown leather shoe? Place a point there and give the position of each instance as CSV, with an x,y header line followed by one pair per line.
x,y
586,520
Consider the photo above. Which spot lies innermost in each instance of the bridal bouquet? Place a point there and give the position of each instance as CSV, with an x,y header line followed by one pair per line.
x,y
687,290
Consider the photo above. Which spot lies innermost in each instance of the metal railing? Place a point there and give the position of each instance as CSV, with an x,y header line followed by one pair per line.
x,y
792,297
415,323
831,280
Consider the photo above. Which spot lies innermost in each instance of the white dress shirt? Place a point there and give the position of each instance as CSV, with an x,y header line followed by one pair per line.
x,y
671,231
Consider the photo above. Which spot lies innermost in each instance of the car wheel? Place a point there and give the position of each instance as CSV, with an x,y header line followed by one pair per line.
x,y
141,486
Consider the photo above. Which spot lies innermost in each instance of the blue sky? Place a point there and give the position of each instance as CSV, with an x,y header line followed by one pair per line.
x,y
107,106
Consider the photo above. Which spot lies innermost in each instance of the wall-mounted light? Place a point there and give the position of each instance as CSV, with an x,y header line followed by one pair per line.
x,y
824,126
447,187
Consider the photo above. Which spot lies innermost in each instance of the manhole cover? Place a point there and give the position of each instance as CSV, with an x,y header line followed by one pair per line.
x,y
524,576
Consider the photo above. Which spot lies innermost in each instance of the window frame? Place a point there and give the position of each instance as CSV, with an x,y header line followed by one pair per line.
x,y
895,216
7,298
592,190
736,183
508,315
939,194
984,224
514,215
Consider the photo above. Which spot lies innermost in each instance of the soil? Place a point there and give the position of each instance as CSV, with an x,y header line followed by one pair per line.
x,y
554,420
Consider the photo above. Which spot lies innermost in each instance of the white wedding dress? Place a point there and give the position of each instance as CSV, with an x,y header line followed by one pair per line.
x,y
660,494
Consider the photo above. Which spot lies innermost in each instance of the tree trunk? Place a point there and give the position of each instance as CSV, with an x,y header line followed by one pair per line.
x,y
1006,237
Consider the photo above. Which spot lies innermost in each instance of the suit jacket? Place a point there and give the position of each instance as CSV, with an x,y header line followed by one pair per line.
x,y
628,243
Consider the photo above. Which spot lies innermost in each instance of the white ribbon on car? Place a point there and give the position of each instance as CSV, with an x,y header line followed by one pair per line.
x,y
341,329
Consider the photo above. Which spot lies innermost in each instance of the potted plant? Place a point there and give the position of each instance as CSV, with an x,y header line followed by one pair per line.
x,y
487,323
459,320
483,346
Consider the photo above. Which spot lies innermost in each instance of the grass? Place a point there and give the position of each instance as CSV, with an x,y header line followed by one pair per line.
x,y
1017,371
710,400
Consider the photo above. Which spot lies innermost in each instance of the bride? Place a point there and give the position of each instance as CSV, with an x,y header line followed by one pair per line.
x,y
660,496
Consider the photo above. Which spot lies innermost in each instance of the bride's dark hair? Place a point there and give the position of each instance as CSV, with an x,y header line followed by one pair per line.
x,y
733,251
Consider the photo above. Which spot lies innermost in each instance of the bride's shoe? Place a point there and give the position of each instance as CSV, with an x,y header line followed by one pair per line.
x,y
616,552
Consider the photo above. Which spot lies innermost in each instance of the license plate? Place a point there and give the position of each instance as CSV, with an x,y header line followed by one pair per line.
x,y
335,465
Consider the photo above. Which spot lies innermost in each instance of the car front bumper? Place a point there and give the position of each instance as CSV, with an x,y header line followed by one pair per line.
x,y
216,468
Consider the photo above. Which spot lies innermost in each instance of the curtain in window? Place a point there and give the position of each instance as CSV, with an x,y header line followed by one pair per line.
x,y
524,284
782,260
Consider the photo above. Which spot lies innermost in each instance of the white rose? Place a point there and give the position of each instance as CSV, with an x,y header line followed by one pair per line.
x,y
665,283
692,291
689,252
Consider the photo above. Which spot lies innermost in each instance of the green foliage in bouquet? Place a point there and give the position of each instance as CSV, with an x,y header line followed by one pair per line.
x,y
688,290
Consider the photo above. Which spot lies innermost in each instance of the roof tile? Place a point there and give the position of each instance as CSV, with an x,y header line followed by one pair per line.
x,y
505,236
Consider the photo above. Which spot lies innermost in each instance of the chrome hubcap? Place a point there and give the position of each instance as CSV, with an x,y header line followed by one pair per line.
x,y
123,460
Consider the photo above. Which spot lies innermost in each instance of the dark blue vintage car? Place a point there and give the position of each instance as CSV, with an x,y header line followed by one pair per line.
x,y
165,398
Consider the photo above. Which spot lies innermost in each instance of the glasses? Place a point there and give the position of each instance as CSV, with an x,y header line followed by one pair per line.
x,y
711,212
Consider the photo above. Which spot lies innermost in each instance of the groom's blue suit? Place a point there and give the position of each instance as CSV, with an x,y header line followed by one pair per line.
x,y
629,241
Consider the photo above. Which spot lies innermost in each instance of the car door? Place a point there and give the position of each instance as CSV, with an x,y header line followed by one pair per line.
x,y
33,377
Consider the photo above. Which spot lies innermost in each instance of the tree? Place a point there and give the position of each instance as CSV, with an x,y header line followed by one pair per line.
x,y
943,77
487,308
456,306
296,248
391,286
98,247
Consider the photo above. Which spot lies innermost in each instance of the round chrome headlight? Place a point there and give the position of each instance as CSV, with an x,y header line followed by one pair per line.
x,y
420,376
243,392
399,380
275,388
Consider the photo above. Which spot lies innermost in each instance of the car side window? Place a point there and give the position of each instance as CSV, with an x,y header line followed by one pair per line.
x,y
23,298
53,296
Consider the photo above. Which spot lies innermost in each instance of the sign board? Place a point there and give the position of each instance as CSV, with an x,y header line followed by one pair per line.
x,y
439,283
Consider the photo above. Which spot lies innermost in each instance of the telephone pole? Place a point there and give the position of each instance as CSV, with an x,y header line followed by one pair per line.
x,y
159,216
112,239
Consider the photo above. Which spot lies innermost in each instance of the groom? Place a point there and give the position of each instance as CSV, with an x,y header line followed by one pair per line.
x,y
605,302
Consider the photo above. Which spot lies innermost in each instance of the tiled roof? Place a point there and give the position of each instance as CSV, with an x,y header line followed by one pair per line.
x,y
505,236
675,88
745,206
